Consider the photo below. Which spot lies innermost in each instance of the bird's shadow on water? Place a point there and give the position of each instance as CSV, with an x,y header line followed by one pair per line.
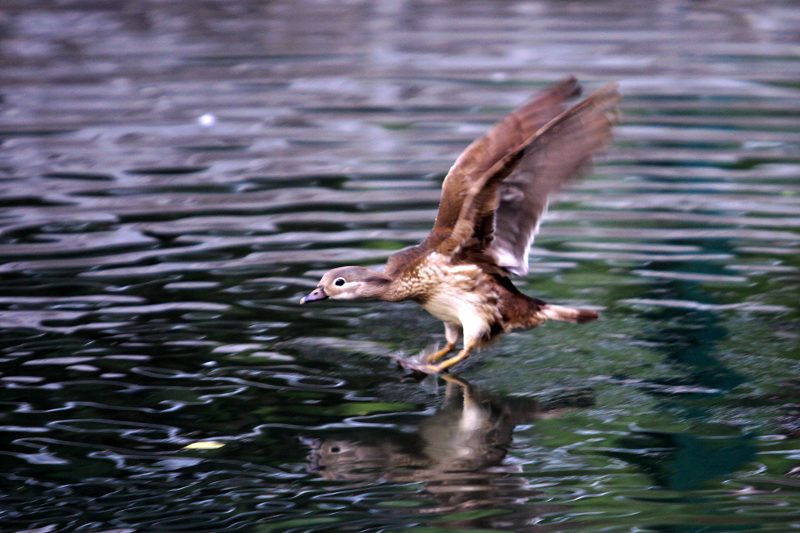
x,y
457,452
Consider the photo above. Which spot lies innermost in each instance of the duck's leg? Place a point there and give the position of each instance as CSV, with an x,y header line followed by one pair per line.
x,y
428,368
435,356
444,365
451,332
475,328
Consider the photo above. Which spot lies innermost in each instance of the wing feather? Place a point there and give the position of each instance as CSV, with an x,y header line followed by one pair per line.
x,y
502,225
482,155
553,159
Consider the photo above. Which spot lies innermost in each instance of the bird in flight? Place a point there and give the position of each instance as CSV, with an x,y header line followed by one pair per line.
x,y
493,199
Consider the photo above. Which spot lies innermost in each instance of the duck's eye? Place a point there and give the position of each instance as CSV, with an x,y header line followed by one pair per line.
x,y
339,282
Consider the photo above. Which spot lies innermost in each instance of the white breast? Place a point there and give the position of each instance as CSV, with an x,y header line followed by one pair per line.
x,y
456,300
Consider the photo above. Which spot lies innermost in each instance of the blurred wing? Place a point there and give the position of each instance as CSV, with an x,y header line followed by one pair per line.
x,y
505,138
502,208
554,158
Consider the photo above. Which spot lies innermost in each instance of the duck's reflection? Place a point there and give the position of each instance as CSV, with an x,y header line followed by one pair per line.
x,y
457,452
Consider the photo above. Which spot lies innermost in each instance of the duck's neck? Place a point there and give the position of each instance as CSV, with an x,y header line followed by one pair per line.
x,y
378,287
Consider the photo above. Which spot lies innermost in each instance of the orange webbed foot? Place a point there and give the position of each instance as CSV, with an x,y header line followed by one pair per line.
x,y
418,366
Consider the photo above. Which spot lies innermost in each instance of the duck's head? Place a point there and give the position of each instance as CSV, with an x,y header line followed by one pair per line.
x,y
349,283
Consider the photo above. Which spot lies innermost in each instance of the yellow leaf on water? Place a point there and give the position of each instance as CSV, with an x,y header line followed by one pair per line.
x,y
204,445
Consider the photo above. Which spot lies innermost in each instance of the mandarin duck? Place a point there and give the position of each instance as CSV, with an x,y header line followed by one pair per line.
x,y
492,201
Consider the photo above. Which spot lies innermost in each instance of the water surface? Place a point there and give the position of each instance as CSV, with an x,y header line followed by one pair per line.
x,y
175,175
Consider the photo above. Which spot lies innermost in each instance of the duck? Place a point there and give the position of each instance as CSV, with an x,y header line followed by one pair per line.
x,y
492,202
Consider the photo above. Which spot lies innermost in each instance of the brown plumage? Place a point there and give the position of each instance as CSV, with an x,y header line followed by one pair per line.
x,y
492,201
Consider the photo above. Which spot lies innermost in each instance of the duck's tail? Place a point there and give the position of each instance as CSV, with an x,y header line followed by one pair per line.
x,y
522,311
568,314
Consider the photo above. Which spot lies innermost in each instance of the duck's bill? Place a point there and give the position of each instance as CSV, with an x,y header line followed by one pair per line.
x,y
314,296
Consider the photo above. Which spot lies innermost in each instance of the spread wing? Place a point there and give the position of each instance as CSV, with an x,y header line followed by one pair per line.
x,y
482,155
552,159
501,208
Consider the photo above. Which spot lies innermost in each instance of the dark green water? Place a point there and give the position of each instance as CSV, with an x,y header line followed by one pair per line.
x,y
175,175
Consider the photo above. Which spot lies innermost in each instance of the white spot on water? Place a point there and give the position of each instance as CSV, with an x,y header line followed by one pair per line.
x,y
207,120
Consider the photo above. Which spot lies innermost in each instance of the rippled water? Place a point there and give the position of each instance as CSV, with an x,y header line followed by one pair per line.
x,y
175,175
